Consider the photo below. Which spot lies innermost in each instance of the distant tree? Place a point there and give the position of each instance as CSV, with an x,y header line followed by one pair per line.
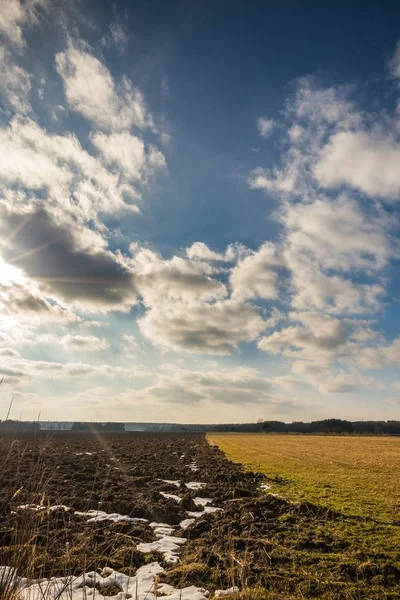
x,y
11,425
392,427
113,427
82,426
274,427
332,426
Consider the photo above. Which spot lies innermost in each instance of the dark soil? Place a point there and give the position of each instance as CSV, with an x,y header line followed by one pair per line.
x,y
115,473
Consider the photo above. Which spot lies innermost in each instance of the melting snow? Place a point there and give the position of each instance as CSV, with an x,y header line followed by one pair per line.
x,y
7,577
195,485
140,587
195,514
100,515
60,507
186,523
159,532
205,511
174,482
168,545
38,508
202,501
33,507
94,515
232,590
189,593
171,496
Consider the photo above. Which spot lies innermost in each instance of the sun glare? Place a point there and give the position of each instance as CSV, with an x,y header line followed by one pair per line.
x,y
9,274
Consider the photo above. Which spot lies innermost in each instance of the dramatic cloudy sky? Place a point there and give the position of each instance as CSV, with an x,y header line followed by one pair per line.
x,y
199,210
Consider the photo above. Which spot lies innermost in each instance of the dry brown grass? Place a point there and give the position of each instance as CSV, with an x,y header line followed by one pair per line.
x,y
31,540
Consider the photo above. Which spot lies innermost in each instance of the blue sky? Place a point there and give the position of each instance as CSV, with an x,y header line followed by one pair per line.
x,y
199,210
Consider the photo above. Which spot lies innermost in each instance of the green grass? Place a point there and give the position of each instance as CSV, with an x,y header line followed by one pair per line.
x,y
354,475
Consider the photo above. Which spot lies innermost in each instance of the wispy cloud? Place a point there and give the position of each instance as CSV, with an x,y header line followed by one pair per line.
x,y
17,14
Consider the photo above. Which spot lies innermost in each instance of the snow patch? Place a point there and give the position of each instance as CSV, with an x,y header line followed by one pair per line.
x,y
189,593
202,501
142,586
177,499
60,507
38,508
100,515
195,485
174,482
205,511
168,545
32,507
186,523
154,524
160,532
220,593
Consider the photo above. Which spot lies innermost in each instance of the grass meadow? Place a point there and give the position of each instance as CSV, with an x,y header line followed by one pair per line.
x,y
359,477
354,475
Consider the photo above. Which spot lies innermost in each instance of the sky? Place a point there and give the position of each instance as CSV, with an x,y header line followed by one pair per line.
x,y
199,210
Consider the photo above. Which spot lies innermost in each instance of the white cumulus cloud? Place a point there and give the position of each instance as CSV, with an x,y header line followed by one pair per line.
x,y
91,91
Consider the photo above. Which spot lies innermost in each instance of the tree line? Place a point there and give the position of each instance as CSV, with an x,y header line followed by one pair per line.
x,y
326,426
82,426
333,426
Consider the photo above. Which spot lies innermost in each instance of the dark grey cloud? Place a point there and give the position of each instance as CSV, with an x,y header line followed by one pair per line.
x,y
16,300
50,253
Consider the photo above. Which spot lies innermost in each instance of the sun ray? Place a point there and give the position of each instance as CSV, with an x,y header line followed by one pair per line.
x,y
31,252
103,442
17,230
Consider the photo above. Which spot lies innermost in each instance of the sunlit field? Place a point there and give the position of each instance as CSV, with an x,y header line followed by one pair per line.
x,y
356,479
355,475
147,515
